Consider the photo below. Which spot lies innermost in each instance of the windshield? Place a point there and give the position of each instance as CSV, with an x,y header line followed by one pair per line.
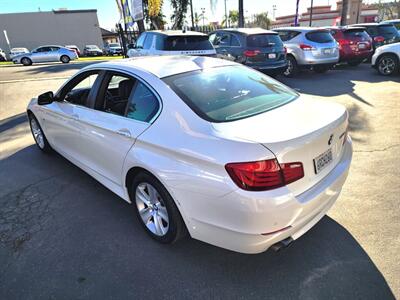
x,y
320,37
182,43
264,40
229,93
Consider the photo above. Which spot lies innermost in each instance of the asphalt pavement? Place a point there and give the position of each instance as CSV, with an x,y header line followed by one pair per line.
x,y
65,236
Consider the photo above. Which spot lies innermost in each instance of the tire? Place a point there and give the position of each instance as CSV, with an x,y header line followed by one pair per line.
x,y
161,207
354,63
26,61
387,64
292,69
65,59
38,134
320,69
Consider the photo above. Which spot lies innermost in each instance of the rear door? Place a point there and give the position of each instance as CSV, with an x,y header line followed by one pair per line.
x,y
41,54
124,107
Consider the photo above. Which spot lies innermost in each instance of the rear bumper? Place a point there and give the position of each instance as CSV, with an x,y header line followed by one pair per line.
x,y
349,56
309,59
274,68
251,222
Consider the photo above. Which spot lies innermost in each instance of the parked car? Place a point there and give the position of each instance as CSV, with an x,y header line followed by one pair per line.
x,y
254,47
113,49
46,54
190,142
355,45
381,34
308,48
74,48
172,42
17,51
92,50
2,55
386,59
395,23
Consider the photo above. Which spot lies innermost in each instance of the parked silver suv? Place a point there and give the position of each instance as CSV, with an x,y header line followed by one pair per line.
x,y
308,48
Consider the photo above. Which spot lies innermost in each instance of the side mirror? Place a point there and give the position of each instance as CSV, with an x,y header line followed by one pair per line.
x,y
46,98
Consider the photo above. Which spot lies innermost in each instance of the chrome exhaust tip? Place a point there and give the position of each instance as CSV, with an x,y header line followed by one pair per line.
x,y
282,244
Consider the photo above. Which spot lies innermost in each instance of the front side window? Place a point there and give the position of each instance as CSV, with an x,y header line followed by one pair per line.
x,y
229,93
224,40
77,91
140,41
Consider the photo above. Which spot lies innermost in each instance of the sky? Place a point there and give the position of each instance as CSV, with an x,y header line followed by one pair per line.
x,y
108,14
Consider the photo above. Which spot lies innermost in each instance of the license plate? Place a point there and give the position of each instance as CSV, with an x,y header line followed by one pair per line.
x,y
362,46
327,51
271,55
322,160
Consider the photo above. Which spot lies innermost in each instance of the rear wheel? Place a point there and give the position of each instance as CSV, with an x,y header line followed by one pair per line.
x,y
65,59
156,210
292,68
320,69
38,134
388,64
26,61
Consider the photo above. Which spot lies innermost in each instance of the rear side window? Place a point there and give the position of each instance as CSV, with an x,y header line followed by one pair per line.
x,y
182,43
319,37
264,40
373,31
143,104
229,93
288,35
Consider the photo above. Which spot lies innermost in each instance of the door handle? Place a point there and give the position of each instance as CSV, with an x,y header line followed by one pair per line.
x,y
124,132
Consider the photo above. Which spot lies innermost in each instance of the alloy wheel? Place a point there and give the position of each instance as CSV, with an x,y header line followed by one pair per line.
x,y
151,208
37,133
387,65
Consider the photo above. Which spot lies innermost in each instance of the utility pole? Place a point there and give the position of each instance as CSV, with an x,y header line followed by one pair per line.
x,y
241,16
345,7
203,12
311,11
273,11
226,16
191,13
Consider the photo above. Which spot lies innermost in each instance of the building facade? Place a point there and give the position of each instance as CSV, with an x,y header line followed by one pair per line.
x,y
324,15
57,27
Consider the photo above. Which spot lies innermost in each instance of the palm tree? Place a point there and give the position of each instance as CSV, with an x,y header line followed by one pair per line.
x,y
179,14
233,17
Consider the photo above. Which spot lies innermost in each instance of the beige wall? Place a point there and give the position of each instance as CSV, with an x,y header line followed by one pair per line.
x,y
31,30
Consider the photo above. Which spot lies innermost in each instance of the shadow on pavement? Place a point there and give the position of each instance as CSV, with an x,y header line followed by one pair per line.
x,y
13,121
63,235
336,82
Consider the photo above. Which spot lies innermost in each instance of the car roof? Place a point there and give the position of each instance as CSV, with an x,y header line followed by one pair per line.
x,y
248,31
300,28
176,32
369,24
391,21
344,27
50,46
163,66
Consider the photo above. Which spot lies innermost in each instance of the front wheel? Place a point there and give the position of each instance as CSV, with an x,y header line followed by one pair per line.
x,y
26,61
388,64
65,59
156,210
38,134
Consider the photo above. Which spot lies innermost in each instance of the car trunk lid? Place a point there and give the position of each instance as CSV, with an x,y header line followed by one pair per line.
x,y
301,131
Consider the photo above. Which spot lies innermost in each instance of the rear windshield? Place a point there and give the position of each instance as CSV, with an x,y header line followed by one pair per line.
x,y
229,93
319,37
356,33
115,45
182,43
387,29
264,40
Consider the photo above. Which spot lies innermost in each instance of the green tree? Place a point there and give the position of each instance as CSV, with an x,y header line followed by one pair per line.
x,y
179,12
233,17
261,20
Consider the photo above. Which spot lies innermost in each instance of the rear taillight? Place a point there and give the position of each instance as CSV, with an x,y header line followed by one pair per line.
x,y
344,42
264,175
379,39
251,53
306,47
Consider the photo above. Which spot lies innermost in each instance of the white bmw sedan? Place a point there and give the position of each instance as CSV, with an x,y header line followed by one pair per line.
x,y
202,146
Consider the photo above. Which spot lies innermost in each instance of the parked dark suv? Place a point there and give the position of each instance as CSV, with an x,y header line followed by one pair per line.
x,y
254,47
355,44
381,34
